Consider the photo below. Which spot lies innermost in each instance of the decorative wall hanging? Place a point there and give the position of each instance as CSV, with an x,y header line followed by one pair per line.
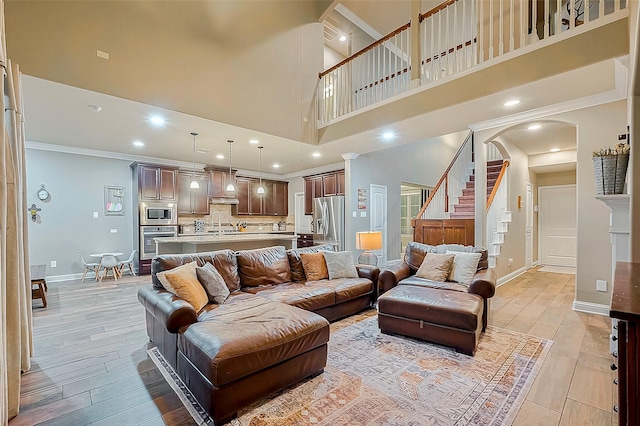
x,y
113,201
33,210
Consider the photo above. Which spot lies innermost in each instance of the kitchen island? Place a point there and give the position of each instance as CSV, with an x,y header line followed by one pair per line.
x,y
199,243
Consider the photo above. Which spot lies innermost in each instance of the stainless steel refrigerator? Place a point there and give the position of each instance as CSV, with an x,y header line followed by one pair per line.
x,y
328,221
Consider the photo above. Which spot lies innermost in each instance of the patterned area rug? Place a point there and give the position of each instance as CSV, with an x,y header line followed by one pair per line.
x,y
375,379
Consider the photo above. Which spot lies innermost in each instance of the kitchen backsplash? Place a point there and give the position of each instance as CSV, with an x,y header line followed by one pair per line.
x,y
229,221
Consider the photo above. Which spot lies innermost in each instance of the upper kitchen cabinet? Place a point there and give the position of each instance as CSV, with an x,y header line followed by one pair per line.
x,y
322,185
276,199
193,201
219,178
157,182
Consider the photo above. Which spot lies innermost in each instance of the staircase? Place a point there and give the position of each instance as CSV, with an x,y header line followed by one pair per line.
x,y
465,209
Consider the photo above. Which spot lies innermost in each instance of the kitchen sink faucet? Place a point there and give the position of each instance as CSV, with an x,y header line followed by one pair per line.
x,y
213,215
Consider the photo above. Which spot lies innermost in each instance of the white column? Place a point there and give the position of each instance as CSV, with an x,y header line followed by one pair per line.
x,y
619,228
349,204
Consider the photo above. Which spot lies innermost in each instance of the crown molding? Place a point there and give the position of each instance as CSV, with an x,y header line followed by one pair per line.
x,y
350,156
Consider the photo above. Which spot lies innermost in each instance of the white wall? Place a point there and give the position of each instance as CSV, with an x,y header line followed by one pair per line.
x,y
66,226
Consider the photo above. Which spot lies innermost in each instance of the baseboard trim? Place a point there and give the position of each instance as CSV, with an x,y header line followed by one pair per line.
x,y
509,277
67,277
591,308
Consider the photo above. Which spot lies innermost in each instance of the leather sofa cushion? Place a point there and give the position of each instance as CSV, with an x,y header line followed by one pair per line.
x,y
423,282
249,336
266,266
443,307
297,271
344,288
297,294
415,253
223,260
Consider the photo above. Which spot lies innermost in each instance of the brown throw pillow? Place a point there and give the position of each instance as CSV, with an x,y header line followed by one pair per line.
x,y
436,267
213,283
314,265
183,282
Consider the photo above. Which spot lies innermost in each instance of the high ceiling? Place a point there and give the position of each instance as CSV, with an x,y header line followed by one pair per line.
x,y
225,69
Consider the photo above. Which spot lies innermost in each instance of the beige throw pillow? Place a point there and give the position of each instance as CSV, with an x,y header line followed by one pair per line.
x,y
314,265
213,283
183,282
435,267
340,264
464,266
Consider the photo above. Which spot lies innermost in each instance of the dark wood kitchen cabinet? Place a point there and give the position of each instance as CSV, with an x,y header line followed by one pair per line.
x,y
156,183
193,201
274,201
322,185
219,178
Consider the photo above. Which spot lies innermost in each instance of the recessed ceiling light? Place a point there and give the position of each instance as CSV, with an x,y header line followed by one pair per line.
x,y
138,143
220,157
534,127
554,150
95,108
343,38
276,165
315,154
157,120
254,141
387,135
512,102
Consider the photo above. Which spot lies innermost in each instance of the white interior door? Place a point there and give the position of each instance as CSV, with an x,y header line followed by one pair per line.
x,y
303,221
529,227
557,225
378,219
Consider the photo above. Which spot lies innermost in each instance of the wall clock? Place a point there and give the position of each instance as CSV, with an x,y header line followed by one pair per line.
x,y
43,194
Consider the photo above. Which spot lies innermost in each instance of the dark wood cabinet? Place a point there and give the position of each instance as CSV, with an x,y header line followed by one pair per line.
x,y
625,307
193,201
322,185
157,183
444,231
274,201
305,240
219,178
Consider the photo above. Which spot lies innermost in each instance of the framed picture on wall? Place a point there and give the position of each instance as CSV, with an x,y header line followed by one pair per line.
x,y
114,201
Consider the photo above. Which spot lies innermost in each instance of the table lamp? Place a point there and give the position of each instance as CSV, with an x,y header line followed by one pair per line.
x,y
367,241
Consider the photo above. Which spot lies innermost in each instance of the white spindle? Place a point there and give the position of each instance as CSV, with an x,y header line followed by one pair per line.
x,y
501,25
601,9
616,6
433,47
546,21
572,13
491,29
558,20
512,27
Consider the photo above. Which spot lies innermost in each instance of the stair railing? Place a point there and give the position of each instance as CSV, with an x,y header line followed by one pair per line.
x,y
497,220
452,181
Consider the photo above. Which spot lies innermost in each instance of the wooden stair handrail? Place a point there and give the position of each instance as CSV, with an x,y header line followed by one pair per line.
x,y
505,164
436,9
444,176
365,49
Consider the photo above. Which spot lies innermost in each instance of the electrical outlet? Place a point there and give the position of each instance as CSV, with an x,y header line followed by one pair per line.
x,y
95,215
54,263
114,231
363,214
510,261
355,214
601,285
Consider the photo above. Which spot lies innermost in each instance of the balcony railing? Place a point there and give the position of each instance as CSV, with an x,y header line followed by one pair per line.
x,y
454,37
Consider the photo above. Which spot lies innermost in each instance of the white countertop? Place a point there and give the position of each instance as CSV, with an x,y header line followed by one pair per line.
x,y
214,238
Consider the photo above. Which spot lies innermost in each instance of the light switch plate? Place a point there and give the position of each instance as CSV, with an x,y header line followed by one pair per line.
x,y
355,214
95,215
114,231
363,214
601,285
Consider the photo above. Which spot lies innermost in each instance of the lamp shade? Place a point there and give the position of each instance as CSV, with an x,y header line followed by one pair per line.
x,y
371,240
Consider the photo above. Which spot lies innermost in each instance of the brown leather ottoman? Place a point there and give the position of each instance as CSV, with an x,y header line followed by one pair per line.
x,y
248,350
446,317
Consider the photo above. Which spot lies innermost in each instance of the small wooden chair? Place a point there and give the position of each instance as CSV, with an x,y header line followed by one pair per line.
x,y
38,283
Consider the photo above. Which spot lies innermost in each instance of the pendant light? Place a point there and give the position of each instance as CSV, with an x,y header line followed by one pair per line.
x,y
230,186
260,190
194,183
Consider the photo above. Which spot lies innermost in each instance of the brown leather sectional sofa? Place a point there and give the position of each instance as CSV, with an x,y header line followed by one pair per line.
x,y
270,333
402,273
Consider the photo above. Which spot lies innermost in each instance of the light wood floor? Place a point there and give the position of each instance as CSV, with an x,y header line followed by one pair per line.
x,y
91,366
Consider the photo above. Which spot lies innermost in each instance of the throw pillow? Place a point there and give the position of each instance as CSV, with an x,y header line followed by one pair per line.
x,y
183,282
314,265
464,266
213,283
435,267
340,264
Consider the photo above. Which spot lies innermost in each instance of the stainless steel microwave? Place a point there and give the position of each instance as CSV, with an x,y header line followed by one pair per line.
x,y
158,213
